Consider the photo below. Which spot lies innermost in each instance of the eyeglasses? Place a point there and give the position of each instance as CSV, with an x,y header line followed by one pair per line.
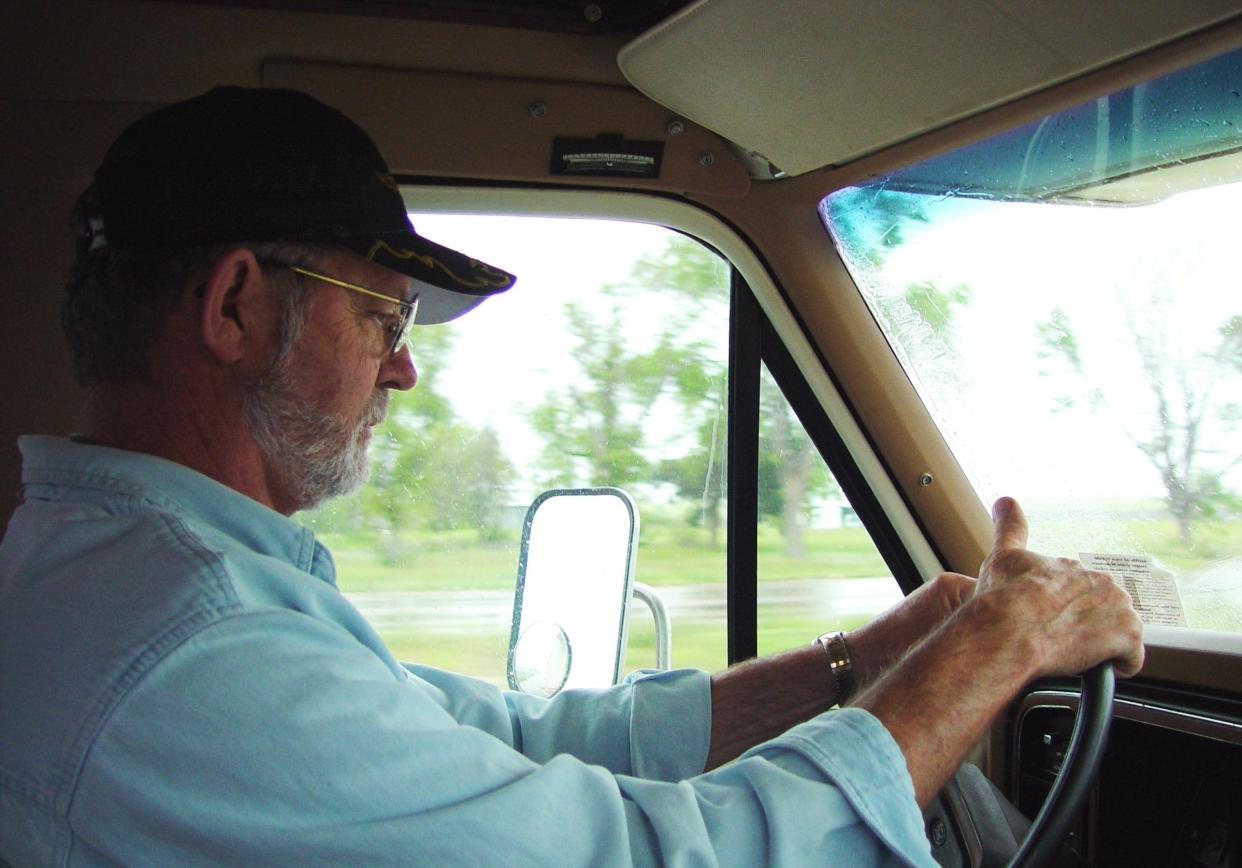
x,y
394,330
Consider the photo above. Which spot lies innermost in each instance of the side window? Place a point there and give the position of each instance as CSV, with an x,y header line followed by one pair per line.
x,y
607,365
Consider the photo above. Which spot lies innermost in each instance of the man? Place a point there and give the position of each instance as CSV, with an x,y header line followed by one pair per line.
x,y
182,683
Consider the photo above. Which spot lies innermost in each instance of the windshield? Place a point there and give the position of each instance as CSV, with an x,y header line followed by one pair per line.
x,y
1065,298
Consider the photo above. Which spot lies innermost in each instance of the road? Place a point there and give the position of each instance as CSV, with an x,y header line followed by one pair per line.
x,y
479,611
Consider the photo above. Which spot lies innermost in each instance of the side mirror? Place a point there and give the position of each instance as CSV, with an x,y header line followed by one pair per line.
x,y
575,578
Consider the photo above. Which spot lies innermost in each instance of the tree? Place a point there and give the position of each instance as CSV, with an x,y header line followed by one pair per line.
x,y
593,430
699,476
791,471
1182,418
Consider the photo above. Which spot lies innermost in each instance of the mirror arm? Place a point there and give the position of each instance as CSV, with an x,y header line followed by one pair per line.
x,y
664,634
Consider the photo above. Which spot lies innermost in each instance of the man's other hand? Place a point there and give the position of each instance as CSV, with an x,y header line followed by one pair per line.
x,y
878,644
1071,617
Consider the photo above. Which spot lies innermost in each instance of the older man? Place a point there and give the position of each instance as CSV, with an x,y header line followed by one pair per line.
x,y
182,682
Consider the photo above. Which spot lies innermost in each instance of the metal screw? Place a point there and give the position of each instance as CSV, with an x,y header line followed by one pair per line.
x,y
675,128
926,480
537,109
592,12
706,158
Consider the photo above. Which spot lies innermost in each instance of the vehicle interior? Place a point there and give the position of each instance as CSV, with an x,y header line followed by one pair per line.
x,y
810,283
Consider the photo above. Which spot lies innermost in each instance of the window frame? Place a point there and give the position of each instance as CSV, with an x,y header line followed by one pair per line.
x,y
762,328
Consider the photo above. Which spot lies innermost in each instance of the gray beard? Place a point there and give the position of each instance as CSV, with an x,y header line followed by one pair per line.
x,y
315,456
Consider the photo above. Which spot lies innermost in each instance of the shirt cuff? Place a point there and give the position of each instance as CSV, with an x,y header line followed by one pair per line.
x,y
854,752
670,723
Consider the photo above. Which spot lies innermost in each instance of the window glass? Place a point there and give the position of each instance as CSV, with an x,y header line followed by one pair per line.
x,y
605,366
1065,299
818,568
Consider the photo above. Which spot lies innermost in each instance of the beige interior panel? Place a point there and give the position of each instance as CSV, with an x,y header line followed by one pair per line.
x,y
468,126
828,96
1205,658
143,51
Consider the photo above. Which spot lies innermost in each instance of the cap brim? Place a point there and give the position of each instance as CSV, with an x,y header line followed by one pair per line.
x,y
449,283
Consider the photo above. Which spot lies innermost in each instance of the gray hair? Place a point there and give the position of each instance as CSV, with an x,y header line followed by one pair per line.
x,y
117,301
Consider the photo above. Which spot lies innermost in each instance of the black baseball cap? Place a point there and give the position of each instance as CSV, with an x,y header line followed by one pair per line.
x,y
262,164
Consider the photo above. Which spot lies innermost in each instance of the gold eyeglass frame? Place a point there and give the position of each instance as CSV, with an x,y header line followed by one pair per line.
x,y
409,309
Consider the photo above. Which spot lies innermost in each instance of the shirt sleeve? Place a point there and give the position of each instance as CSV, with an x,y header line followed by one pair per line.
x,y
655,725
276,739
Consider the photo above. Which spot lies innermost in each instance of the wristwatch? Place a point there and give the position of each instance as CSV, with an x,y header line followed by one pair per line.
x,y
839,662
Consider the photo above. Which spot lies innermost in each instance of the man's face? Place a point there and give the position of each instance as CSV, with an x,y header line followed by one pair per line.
x,y
311,411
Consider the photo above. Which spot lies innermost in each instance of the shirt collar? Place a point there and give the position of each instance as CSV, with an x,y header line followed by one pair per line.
x,y
57,468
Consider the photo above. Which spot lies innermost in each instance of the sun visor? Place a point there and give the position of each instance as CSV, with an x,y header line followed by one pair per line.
x,y
813,84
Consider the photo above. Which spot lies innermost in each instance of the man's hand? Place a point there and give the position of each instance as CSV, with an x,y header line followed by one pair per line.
x,y
1071,617
956,652
882,642
1029,615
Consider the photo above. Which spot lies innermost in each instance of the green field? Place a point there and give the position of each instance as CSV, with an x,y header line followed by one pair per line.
x,y
666,556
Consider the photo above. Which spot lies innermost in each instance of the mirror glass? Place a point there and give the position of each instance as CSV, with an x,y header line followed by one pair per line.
x,y
541,659
575,574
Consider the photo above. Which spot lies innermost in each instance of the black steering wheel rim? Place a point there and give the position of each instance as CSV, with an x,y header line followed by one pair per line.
x,y
1073,782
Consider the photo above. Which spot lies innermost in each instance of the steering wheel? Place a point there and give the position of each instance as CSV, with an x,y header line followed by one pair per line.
x,y
984,827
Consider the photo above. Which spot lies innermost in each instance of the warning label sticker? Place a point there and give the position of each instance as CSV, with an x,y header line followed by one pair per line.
x,y
1153,590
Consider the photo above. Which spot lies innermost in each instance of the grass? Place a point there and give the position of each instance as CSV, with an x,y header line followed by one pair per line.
x,y
455,560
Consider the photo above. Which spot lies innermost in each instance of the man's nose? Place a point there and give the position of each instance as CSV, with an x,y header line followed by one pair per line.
x,y
397,371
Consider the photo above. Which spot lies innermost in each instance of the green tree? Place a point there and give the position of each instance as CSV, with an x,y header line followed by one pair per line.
x,y
936,307
1183,418
699,476
593,429
791,473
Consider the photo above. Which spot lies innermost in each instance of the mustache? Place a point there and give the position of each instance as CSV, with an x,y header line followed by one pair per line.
x,y
377,409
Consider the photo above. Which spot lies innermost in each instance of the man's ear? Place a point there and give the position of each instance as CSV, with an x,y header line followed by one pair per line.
x,y
237,316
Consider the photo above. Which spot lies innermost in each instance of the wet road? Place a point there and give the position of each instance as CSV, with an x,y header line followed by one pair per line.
x,y
1218,584
470,611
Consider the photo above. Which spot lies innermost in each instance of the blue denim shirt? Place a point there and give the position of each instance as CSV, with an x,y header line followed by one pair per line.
x,y
181,683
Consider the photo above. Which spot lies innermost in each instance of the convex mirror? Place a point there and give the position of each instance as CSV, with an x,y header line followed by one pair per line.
x,y
575,577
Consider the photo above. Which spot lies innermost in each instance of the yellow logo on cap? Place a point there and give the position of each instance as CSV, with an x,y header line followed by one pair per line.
x,y
492,277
